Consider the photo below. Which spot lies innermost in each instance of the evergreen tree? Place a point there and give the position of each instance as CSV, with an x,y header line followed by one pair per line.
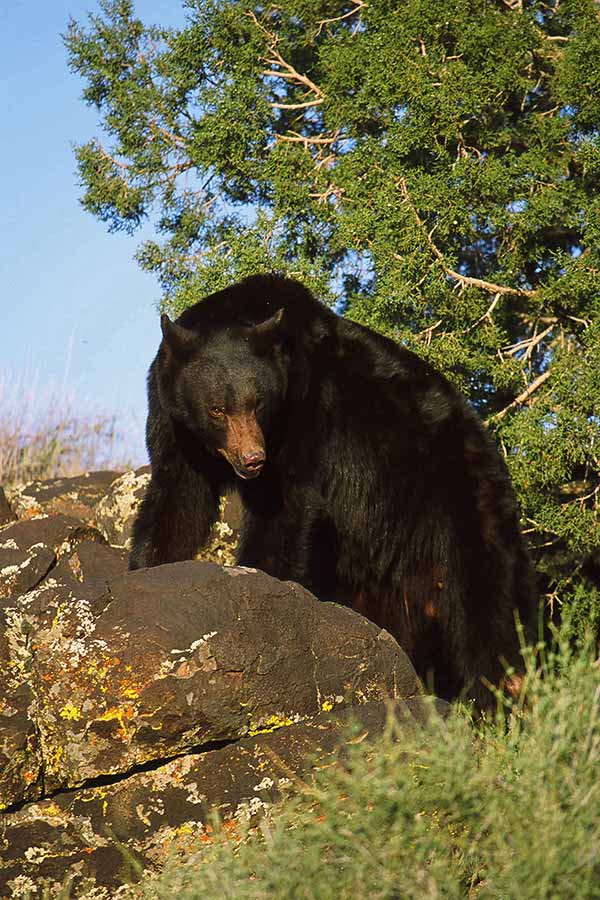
x,y
432,167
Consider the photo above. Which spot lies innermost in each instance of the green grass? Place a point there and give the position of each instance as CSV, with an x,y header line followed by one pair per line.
x,y
508,809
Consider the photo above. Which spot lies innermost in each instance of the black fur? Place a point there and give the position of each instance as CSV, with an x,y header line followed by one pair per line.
x,y
380,490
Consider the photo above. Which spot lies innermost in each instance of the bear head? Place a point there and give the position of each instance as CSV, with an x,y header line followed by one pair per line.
x,y
227,386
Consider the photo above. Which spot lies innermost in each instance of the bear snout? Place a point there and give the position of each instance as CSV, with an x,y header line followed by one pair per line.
x,y
244,447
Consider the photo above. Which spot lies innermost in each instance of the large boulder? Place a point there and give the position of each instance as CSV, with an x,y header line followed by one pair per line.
x,y
174,658
133,705
47,565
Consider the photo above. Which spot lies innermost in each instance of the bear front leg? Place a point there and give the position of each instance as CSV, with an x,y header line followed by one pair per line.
x,y
293,548
175,517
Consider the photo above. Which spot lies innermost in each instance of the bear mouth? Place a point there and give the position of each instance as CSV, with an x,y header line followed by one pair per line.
x,y
248,472
251,469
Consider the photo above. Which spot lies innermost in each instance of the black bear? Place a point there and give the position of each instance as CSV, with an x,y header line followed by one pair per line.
x,y
363,473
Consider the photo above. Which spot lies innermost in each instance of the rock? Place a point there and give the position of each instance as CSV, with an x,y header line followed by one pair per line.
x,y
133,705
30,549
42,563
115,512
105,835
76,497
89,566
179,656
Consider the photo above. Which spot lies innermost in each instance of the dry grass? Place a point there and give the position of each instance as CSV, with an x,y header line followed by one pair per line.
x,y
41,436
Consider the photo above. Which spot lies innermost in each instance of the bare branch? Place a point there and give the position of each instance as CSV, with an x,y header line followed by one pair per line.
x,y
358,5
287,70
273,73
427,333
593,493
331,191
179,169
294,138
112,159
487,314
518,401
173,138
528,344
304,105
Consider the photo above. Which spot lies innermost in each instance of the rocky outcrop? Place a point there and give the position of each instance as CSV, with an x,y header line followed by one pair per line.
x,y
76,496
135,704
110,502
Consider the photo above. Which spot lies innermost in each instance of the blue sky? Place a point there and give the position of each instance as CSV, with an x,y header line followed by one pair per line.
x,y
79,318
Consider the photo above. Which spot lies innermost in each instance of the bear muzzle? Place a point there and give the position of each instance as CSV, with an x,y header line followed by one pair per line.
x,y
244,446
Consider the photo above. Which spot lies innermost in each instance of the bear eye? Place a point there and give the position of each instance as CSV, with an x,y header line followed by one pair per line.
x,y
217,412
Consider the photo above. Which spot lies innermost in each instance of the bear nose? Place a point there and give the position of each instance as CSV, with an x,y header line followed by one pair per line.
x,y
253,460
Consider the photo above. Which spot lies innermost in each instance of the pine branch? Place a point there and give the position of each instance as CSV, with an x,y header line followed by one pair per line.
x,y
456,276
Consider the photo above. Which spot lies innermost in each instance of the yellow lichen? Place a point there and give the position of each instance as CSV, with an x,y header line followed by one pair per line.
x,y
272,723
131,693
327,706
70,712
59,611
53,758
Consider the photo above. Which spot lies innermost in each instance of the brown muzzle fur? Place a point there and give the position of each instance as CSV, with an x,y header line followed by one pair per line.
x,y
244,447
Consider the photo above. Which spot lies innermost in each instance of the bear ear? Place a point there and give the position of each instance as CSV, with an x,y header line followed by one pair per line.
x,y
176,339
269,333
